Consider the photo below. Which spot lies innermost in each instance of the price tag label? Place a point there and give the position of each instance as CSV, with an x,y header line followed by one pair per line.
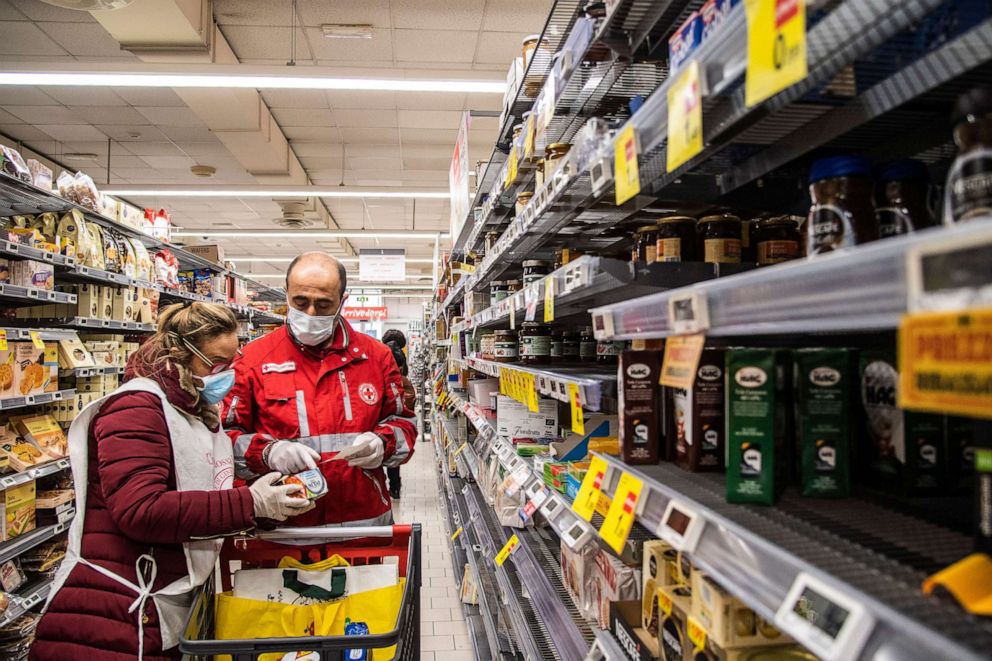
x,y
682,353
36,340
531,134
507,550
575,402
826,621
527,511
533,400
681,525
688,313
685,117
620,516
602,325
696,633
538,493
457,533
776,47
628,178
945,362
549,299
511,167
585,501
460,448
513,316
503,378
3,340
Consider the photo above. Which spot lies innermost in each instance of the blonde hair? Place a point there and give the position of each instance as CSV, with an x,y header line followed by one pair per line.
x,y
195,322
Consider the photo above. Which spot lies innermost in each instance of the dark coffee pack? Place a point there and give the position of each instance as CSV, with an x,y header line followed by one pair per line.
x,y
697,423
639,406
823,380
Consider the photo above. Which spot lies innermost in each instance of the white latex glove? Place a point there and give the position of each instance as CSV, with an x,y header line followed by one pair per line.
x,y
371,453
273,501
289,457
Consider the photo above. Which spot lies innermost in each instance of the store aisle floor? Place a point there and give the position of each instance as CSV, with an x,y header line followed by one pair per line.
x,y
443,632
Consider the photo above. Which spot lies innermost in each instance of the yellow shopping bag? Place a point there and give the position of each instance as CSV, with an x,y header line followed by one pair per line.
x,y
247,618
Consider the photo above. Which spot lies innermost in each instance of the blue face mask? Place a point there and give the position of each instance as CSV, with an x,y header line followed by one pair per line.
x,y
216,386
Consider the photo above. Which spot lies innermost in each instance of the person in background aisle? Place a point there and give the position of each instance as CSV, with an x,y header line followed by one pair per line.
x,y
153,472
315,387
396,341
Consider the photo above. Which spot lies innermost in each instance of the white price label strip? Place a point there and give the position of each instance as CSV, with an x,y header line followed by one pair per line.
x,y
688,313
681,526
826,621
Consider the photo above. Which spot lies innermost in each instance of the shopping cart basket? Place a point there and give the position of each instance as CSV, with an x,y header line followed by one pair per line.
x,y
359,546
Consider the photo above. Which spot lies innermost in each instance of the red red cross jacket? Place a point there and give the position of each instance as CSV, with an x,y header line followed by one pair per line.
x,y
285,390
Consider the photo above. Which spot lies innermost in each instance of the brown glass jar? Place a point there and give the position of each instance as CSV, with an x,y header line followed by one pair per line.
x,y
842,214
749,254
676,240
776,240
535,343
721,239
587,345
565,256
969,184
570,345
901,191
645,244
505,346
608,351
512,287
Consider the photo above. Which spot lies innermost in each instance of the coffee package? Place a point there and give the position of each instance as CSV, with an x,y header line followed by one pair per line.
x,y
758,424
823,379
697,422
641,435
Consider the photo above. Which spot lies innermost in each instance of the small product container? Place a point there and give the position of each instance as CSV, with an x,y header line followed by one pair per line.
x,y
553,155
587,346
777,240
842,214
505,346
534,270
571,344
498,291
721,238
645,244
535,343
523,199
676,240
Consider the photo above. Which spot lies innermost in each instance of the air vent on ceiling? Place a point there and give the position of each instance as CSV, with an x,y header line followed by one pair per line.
x,y
293,215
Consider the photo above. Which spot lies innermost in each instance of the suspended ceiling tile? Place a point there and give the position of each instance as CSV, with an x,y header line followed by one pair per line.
x,y
38,11
381,151
330,162
428,150
365,118
189,133
72,132
372,12
214,148
484,102
84,39
312,133
437,136
252,12
26,96
510,15
325,181
498,47
430,119
309,150
171,116
150,97
297,99
303,117
375,136
21,38
9,13
85,96
435,14
361,100
434,45
365,51
44,114
375,163
7,118
426,163
133,133
152,148
109,115
26,133
430,101
169,162
266,42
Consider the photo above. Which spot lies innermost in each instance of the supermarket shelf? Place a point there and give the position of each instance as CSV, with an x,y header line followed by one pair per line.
x,y
861,289
93,324
26,599
852,546
596,385
52,467
90,371
47,334
606,648
33,295
8,403
80,273
15,547
19,250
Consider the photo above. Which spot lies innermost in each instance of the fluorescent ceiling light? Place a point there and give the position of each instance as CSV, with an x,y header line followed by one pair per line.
x,y
316,234
151,74
343,260
340,31
167,190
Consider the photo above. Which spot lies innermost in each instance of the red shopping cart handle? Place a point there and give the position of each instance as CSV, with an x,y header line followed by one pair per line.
x,y
330,533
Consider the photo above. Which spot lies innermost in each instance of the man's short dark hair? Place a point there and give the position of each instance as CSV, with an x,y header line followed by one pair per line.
x,y
342,273
394,336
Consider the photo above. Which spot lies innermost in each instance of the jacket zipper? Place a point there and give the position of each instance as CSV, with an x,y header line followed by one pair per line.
x,y
377,486
346,395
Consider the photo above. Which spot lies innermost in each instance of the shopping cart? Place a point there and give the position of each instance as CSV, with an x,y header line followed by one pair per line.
x,y
359,546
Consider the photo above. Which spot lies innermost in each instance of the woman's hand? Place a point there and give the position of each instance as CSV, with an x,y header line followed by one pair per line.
x,y
274,501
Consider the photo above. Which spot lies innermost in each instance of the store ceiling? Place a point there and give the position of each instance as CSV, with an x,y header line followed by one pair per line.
x,y
393,139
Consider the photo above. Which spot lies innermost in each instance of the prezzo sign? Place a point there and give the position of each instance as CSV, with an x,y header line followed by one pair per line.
x,y
365,314
382,264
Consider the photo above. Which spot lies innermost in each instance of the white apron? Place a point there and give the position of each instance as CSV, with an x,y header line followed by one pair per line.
x,y
203,461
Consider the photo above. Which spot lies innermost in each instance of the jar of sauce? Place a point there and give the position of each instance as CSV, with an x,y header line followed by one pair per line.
x,y
570,345
553,154
608,351
557,345
645,244
901,190
676,240
512,287
491,239
539,174
777,240
534,270
498,291
505,346
721,236
842,214
587,345
527,47
748,246
969,183
535,343
487,345
523,199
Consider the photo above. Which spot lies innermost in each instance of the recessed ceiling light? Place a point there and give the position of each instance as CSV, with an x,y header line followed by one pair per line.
x,y
344,31
80,156
203,170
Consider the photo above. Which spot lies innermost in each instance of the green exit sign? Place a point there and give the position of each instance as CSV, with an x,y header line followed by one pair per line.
x,y
361,299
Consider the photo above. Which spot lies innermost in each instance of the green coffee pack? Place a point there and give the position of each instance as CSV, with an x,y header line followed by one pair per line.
x,y
823,381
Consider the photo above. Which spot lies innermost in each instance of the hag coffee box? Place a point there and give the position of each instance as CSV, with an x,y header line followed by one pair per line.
x,y
823,379
697,422
638,400
904,449
758,424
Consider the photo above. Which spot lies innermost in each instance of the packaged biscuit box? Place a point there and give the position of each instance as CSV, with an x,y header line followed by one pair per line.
x,y
38,368
19,514
73,354
142,262
44,432
8,371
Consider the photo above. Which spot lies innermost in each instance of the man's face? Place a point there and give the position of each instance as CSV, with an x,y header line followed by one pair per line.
x,y
314,290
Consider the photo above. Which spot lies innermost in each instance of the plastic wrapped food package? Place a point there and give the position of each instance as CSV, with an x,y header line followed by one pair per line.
x,y
85,191
13,164
166,269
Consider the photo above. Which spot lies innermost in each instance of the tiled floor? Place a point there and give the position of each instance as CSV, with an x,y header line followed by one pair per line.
x,y
443,634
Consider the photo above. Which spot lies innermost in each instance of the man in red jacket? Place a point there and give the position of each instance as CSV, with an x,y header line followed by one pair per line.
x,y
314,388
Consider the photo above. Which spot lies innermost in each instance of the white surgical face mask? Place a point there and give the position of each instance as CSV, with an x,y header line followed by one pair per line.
x,y
312,331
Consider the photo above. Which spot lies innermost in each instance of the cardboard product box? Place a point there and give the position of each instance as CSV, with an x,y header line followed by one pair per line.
x,y
823,380
29,273
698,416
638,399
578,572
514,420
602,435
88,300
727,620
479,391
128,214
758,424
45,432
657,569
637,643
148,313
674,603
105,302
903,449
19,511
213,252
4,271
9,371
614,581
38,368
124,303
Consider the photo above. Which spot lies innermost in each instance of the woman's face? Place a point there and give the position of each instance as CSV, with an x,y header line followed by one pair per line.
x,y
220,349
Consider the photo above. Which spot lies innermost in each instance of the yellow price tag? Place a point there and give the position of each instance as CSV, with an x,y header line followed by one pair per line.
x,y
3,340
620,518
628,178
685,117
665,602
503,379
696,633
682,353
945,362
509,548
575,401
533,403
549,299
36,340
603,504
511,167
531,135
776,47
460,448
456,534
585,501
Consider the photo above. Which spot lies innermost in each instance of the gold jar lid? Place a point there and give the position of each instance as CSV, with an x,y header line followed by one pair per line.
x,y
718,217
676,219
530,39
646,228
558,147
524,196
777,220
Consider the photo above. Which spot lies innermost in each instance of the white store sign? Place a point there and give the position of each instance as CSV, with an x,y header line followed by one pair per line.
x,y
382,264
